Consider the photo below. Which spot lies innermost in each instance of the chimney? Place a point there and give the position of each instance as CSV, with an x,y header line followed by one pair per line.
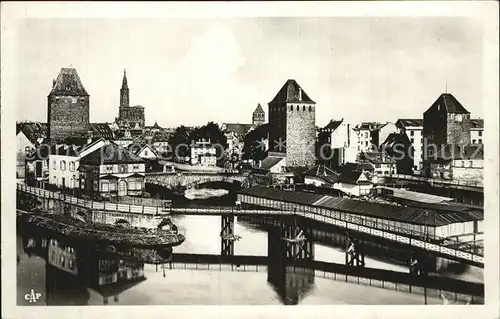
x,y
89,138
300,94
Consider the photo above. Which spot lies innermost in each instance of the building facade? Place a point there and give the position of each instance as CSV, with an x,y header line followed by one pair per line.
x,y
476,131
64,162
413,128
333,143
68,107
130,117
258,116
203,153
112,170
292,123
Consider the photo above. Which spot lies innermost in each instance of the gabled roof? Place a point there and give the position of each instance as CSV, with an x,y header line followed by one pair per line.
x,y
102,130
410,122
292,92
237,128
68,83
394,139
138,150
332,126
450,104
111,154
350,177
259,109
32,130
477,123
270,161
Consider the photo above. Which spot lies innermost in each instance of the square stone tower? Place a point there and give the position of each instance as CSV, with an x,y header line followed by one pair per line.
x,y
292,125
68,107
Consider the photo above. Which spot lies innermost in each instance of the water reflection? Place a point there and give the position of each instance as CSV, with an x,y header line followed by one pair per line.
x,y
72,271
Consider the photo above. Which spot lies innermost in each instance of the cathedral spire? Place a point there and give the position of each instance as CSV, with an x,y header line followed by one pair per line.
x,y
124,82
124,95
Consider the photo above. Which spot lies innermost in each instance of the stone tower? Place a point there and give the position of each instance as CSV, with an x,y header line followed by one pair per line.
x,y
292,120
446,122
68,107
258,116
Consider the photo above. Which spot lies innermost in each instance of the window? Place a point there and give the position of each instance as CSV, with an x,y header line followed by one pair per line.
x,y
480,141
54,164
310,108
480,133
63,165
412,140
462,163
473,141
366,143
298,108
72,166
145,152
412,133
291,107
105,186
27,149
82,99
303,107
470,163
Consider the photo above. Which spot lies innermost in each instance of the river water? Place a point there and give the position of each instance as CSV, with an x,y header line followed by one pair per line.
x,y
210,287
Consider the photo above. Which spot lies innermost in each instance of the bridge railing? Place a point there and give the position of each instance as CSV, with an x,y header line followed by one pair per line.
x,y
393,234
437,180
443,250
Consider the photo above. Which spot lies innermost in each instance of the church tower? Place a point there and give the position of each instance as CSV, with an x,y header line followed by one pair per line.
x,y
259,116
68,109
124,93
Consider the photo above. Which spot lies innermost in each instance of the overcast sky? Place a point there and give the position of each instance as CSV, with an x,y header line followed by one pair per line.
x,y
190,71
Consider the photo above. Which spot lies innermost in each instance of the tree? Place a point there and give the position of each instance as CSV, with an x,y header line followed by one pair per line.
x,y
253,147
179,142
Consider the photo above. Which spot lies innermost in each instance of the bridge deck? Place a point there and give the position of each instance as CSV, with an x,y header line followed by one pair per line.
x,y
456,254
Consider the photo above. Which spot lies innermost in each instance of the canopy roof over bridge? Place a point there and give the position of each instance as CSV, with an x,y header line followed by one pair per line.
x,y
438,215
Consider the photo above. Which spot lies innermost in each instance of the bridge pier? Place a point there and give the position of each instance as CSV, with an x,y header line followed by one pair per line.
x,y
354,254
298,248
227,232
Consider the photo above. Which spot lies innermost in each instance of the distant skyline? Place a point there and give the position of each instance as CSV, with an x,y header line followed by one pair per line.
x,y
194,70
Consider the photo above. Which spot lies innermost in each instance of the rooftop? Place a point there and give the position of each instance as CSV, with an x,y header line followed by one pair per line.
x,y
292,92
410,122
111,154
413,215
34,131
450,104
259,109
68,83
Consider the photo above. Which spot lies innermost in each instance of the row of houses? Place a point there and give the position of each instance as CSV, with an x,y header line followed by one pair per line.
x,y
97,167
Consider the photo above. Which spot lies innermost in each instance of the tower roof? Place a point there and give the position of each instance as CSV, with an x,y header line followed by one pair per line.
x,y
292,92
259,109
450,104
68,83
124,82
